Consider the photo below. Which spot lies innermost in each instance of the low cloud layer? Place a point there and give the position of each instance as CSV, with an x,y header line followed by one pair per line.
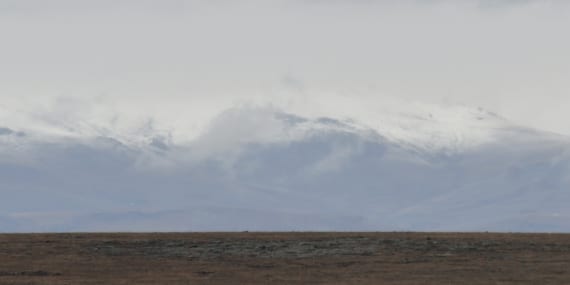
x,y
201,57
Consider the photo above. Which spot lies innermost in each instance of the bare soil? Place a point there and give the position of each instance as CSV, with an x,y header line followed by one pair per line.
x,y
285,258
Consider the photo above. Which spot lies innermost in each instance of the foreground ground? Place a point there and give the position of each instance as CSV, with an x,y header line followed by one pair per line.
x,y
285,258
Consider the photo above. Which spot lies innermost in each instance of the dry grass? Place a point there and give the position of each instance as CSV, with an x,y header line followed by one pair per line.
x,y
285,258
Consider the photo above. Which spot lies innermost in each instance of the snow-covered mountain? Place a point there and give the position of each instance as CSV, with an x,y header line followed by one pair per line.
x,y
259,168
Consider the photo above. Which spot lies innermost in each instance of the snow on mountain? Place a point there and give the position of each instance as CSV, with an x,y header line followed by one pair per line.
x,y
427,167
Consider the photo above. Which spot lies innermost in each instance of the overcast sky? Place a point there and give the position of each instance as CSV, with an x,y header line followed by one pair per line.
x,y
172,56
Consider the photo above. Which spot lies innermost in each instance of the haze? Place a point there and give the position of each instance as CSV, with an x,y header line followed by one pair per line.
x,y
159,58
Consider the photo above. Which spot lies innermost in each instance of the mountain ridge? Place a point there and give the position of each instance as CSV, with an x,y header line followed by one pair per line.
x,y
343,173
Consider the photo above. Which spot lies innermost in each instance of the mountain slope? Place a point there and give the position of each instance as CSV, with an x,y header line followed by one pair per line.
x,y
263,169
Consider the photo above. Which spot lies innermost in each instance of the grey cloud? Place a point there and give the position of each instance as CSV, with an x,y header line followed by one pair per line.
x,y
5,131
8,131
212,53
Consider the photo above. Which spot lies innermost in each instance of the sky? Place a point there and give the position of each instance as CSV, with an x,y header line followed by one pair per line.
x,y
187,60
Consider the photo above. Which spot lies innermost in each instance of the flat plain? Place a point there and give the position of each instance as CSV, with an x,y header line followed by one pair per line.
x,y
285,258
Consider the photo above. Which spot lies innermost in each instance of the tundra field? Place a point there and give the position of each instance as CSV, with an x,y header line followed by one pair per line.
x,y
285,258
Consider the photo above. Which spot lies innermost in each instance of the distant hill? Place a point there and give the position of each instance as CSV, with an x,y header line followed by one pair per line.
x,y
430,168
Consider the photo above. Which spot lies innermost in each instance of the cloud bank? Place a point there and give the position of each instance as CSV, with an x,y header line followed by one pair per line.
x,y
171,57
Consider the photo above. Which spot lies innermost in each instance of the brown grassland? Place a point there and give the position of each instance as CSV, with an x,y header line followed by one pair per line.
x,y
285,258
